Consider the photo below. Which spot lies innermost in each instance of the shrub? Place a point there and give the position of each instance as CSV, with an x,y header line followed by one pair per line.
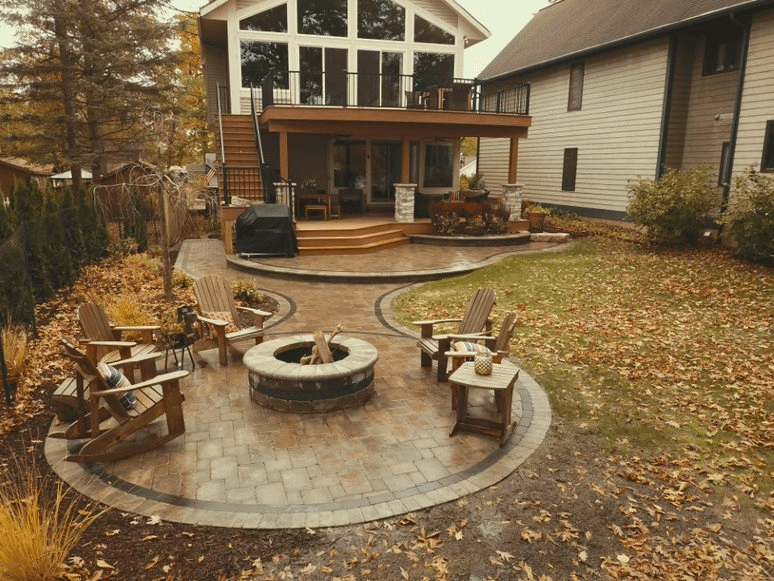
x,y
455,218
181,279
38,529
749,220
245,290
446,222
675,209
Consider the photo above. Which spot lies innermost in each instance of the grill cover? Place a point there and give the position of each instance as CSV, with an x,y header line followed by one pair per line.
x,y
266,229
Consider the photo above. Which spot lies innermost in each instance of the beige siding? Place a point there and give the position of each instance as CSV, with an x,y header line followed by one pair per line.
x,y
709,114
757,100
680,100
216,70
616,131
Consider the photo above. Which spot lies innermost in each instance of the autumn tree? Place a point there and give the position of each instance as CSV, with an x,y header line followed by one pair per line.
x,y
179,134
82,78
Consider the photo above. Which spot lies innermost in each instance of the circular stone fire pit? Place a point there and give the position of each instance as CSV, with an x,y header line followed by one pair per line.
x,y
279,382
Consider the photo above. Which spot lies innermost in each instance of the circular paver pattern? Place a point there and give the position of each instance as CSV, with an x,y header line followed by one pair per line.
x,y
242,465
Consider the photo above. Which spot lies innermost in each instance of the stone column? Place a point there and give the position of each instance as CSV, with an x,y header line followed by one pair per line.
x,y
512,194
404,202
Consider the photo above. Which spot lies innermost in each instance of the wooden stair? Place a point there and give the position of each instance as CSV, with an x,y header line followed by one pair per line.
x,y
241,152
349,240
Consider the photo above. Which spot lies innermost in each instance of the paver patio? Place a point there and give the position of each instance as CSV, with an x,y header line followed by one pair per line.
x,y
241,465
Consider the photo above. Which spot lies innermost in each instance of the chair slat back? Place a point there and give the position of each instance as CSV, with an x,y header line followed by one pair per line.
x,y
476,315
87,369
213,293
94,322
504,338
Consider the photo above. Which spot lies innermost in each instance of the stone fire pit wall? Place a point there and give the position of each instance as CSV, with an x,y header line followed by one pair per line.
x,y
286,385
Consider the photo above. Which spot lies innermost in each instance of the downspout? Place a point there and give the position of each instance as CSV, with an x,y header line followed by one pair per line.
x,y
666,106
729,166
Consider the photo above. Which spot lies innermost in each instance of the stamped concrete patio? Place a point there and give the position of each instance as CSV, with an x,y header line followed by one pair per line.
x,y
241,465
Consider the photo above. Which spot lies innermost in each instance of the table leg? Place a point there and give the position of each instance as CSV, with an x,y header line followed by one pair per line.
x,y
462,406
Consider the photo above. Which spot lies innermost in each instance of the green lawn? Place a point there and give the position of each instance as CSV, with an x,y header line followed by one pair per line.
x,y
652,352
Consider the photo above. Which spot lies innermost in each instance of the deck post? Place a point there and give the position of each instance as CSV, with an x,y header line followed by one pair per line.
x,y
404,202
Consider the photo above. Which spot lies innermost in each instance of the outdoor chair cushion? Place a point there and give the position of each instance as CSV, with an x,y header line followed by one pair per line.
x,y
470,347
231,326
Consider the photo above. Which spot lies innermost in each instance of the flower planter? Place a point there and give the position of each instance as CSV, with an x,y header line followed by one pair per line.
x,y
536,221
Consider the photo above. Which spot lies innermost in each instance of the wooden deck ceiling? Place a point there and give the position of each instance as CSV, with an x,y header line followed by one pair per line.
x,y
393,123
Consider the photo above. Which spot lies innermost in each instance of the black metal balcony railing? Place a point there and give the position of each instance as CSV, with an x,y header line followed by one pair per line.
x,y
345,89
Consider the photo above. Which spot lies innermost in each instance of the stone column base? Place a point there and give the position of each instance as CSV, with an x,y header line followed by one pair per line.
x,y
404,202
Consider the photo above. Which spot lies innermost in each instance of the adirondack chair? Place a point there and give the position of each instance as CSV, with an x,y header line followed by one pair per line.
x,y
217,313
465,347
110,428
475,321
103,340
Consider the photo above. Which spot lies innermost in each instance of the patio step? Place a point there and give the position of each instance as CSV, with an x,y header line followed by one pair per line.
x,y
342,240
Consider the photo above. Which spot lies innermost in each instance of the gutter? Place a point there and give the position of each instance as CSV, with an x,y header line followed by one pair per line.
x,y
729,166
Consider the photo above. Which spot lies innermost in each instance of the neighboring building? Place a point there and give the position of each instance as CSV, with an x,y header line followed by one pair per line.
x,y
357,95
14,169
621,89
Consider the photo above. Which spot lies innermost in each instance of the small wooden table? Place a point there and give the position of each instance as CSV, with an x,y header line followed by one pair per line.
x,y
501,381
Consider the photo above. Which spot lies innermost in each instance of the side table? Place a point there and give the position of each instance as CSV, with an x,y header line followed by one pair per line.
x,y
501,381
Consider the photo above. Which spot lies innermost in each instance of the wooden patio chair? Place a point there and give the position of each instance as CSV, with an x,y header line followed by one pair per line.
x,y
218,315
465,347
112,428
104,341
474,321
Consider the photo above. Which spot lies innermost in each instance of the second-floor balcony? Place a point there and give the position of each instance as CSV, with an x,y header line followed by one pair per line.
x,y
347,89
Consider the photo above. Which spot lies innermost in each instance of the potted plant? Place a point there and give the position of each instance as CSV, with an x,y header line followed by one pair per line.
x,y
308,186
14,338
536,216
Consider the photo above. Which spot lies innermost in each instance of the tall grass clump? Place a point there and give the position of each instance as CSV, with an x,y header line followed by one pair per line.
x,y
14,348
39,525
674,209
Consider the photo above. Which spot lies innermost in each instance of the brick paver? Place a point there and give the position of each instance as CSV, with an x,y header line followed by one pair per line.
x,y
242,465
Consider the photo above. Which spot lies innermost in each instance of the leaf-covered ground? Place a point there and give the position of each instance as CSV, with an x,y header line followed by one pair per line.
x,y
658,465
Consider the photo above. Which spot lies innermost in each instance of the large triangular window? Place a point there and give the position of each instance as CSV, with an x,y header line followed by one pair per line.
x,y
322,17
381,20
425,31
271,20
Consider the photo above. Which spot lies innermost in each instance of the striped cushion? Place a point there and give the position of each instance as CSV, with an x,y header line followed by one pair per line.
x,y
470,347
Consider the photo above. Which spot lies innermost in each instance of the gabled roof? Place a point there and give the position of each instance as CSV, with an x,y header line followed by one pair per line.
x,y
571,28
483,31
26,166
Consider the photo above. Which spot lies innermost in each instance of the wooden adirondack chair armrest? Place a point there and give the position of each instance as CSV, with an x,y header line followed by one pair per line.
x,y
136,360
483,336
111,344
158,380
145,331
426,327
260,316
123,347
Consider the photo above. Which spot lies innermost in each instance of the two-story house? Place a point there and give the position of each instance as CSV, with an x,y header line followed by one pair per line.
x,y
621,89
354,95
